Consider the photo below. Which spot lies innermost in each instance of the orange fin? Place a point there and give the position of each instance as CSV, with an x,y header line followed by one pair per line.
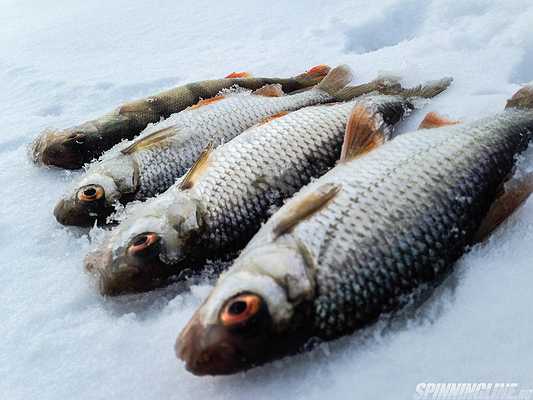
x,y
304,207
205,102
319,70
434,120
271,90
313,75
361,134
517,191
238,75
197,169
266,120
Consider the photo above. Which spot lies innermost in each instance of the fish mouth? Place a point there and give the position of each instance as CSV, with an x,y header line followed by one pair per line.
x,y
120,275
219,349
209,350
59,149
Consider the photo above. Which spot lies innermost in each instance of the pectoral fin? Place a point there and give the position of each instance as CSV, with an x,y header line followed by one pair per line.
x,y
434,120
150,140
197,169
516,193
304,207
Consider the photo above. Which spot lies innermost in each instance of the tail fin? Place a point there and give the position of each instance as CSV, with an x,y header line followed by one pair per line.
x,y
336,79
427,90
522,99
390,85
313,76
383,85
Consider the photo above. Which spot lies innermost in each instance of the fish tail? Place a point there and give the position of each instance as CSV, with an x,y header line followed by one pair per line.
x,y
523,99
336,79
427,90
383,84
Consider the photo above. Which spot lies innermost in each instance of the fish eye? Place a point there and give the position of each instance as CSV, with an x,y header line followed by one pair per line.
x,y
90,193
240,309
77,138
143,244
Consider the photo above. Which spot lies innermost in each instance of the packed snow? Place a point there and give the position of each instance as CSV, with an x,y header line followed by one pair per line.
x,y
64,62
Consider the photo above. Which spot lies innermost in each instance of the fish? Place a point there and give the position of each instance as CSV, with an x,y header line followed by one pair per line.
x,y
363,239
71,148
151,163
223,199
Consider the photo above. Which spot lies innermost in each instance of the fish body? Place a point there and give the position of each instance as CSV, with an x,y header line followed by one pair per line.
x,y
73,147
234,190
151,164
388,223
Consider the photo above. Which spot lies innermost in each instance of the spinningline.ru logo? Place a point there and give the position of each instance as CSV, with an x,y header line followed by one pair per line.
x,y
471,391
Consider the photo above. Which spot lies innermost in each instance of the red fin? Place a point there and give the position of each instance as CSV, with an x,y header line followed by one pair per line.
x,y
361,134
266,120
271,90
319,70
238,75
434,120
205,102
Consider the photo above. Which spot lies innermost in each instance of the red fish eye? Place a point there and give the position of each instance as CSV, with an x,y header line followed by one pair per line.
x,y
91,193
142,242
240,309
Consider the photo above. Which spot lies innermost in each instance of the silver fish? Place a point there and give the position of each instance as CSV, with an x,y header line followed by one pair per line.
x,y
222,201
153,162
358,241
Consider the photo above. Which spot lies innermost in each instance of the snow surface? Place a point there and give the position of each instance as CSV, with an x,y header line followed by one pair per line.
x,y
63,62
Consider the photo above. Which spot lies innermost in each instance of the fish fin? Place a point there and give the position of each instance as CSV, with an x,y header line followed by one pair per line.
x,y
428,90
197,169
522,99
335,80
434,120
302,208
150,140
242,74
266,120
313,76
383,85
361,134
516,192
271,90
205,102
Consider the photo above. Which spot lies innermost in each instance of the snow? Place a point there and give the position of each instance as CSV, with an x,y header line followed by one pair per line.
x,y
63,62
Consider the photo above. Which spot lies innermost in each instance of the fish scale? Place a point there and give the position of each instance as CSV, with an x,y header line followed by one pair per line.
x,y
309,150
474,158
215,123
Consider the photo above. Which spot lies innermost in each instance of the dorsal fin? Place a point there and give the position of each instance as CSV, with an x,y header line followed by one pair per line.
x,y
150,140
238,75
434,120
304,207
205,102
197,169
361,134
270,90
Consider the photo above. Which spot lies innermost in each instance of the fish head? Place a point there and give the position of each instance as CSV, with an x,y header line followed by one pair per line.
x,y
146,248
257,311
93,198
64,149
